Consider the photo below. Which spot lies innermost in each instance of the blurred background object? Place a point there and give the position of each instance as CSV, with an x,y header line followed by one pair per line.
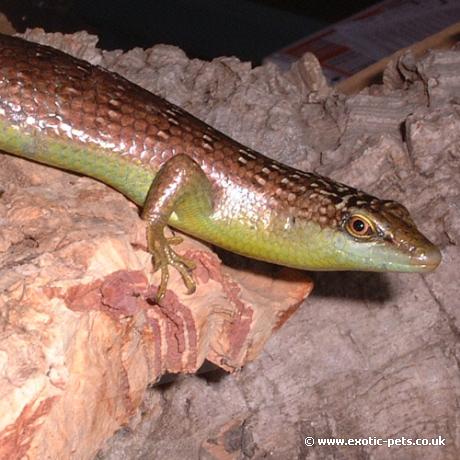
x,y
248,29
346,37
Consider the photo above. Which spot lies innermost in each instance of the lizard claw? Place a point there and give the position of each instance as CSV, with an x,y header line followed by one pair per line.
x,y
164,256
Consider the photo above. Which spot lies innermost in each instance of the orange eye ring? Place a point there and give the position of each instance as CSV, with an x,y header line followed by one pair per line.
x,y
360,226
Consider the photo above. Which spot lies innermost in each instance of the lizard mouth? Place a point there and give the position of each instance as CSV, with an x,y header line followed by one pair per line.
x,y
426,259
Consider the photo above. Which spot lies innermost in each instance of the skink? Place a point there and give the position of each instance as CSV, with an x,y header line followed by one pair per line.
x,y
65,112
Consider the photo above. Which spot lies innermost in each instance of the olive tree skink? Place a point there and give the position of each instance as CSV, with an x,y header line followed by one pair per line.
x,y
62,111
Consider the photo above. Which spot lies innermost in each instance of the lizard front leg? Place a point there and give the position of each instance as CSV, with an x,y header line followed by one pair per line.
x,y
180,187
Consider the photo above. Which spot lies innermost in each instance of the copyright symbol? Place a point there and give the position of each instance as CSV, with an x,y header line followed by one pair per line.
x,y
309,441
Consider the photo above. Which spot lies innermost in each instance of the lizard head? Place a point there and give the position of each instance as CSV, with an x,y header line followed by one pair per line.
x,y
342,228
379,235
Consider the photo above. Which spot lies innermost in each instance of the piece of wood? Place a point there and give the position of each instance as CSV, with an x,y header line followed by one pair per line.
x,y
441,40
366,355
81,336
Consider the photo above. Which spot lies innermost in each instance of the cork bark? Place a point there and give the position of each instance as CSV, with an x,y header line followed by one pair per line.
x,y
366,355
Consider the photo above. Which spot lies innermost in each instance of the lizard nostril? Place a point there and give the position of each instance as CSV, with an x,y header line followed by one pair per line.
x,y
430,256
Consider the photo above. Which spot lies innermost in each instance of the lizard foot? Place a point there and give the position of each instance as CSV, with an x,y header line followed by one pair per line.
x,y
164,256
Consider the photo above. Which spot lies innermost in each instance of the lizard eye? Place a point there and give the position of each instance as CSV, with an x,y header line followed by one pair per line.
x,y
359,226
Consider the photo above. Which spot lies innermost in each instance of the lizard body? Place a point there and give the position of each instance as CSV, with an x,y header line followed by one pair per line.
x,y
64,112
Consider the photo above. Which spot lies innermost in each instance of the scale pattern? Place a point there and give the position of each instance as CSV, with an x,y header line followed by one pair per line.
x,y
46,92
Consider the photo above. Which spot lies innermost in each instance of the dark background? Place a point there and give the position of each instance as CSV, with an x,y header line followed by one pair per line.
x,y
248,29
